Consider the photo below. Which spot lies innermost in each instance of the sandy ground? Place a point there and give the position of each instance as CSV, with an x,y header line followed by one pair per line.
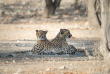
x,y
52,66
79,29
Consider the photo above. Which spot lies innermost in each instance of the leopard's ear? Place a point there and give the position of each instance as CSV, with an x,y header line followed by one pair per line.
x,y
36,30
46,31
61,31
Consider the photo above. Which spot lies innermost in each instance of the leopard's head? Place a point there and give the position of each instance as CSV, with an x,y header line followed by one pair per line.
x,y
64,34
41,34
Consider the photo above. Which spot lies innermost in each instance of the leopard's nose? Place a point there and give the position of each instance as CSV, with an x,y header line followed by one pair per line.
x,y
70,36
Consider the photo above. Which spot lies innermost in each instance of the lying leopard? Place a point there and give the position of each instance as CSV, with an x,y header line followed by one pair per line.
x,y
60,41
42,44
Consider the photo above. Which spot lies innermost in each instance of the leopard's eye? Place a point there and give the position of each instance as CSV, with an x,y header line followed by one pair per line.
x,y
68,32
62,32
42,37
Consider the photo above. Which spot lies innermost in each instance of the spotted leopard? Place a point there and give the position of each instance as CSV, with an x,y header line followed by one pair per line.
x,y
60,41
41,45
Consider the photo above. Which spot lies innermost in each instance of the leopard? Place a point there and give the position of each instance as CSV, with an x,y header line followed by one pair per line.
x,y
60,41
42,43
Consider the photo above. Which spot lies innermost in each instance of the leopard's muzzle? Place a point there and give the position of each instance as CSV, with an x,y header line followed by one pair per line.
x,y
70,36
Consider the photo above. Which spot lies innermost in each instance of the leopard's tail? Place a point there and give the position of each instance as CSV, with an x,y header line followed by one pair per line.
x,y
19,53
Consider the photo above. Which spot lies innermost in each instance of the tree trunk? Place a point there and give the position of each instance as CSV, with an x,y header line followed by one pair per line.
x,y
105,13
57,3
92,17
76,4
51,7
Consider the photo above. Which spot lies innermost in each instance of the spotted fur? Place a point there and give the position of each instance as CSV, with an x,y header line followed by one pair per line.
x,y
41,45
60,41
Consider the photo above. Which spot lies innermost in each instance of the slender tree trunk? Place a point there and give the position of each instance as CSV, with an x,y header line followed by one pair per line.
x,y
76,4
51,7
57,3
92,17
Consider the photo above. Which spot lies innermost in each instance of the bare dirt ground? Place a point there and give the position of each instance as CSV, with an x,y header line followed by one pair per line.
x,y
79,29
52,66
